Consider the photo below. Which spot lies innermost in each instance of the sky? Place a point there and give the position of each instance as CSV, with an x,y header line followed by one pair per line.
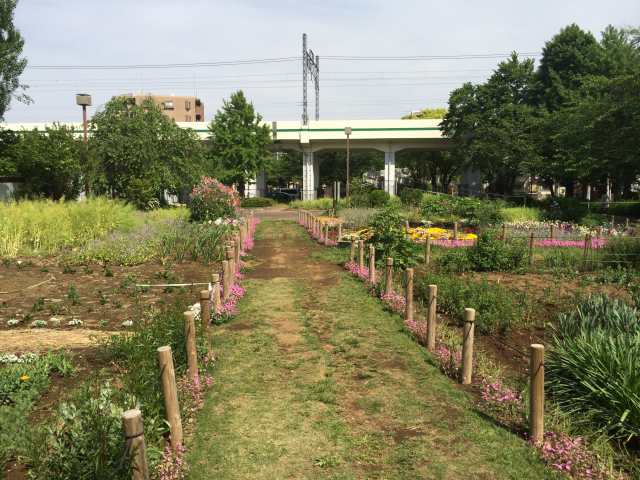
x,y
124,33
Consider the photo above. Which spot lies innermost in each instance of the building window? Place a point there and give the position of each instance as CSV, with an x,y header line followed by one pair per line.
x,y
198,102
198,117
187,118
167,105
187,104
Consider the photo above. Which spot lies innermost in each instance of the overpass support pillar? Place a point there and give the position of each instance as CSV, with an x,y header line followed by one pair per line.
x,y
309,170
390,173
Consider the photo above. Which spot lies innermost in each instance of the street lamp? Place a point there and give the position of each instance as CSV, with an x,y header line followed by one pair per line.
x,y
84,100
347,132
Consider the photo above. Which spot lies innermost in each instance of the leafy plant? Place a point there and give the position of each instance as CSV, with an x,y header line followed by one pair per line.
x,y
411,196
390,238
623,251
210,200
489,254
592,368
256,202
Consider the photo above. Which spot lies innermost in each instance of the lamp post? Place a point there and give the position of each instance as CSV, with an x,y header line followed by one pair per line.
x,y
347,132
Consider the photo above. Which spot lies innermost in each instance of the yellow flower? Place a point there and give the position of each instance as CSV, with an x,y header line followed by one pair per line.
x,y
24,378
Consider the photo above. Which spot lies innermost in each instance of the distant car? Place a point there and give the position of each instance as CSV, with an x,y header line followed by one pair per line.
x,y
283,195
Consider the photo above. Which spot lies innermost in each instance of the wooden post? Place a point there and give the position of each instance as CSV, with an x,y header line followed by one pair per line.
x,y
232,264
406,230
136,448
352,255
339,232
388,277
431,317
598,232
361,254
455,230
587,242
170,395
215,291
531,249
427,250
503,233
238,245
205,309
467,345
326,234
408,311
536,393
192,353
226,284
551,231
372,264
613,222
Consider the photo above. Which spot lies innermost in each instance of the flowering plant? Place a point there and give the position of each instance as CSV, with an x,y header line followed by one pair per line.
x,y
570,456
211,200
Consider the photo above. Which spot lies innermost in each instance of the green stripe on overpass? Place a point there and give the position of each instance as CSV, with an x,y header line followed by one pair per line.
x,y
370,129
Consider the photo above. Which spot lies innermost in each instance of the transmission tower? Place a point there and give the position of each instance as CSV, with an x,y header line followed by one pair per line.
x,y
310,66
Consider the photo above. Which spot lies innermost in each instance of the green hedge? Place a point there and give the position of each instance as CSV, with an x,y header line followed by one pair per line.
x,y
256,202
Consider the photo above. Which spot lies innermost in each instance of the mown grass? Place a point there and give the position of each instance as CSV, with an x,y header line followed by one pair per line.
x,y
316,380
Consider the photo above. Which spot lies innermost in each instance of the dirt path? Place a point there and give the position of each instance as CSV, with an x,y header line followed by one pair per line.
x,y
316,380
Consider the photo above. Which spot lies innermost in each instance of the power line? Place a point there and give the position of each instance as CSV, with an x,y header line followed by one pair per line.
x,y
165,65
428,57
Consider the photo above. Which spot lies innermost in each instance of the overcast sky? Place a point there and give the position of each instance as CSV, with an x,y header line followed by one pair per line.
x,y
127,32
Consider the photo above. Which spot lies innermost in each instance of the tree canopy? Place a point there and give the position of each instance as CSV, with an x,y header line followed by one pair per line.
x,y
11,63
238,141
139,153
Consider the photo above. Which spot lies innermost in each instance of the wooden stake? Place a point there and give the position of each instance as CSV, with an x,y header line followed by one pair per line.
x,y
372,264
232,265
431,317
170,395
238,245
215,291
361,254
587,242
205,309
536,395
551,231
192,353
531,249
352,255
427,250
326,234
136,448
455,230
339,232
226,285
503,234
388,277
408,311
467,345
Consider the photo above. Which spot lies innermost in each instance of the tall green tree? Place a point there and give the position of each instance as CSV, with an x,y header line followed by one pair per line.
x,y
139,153
11,63
48,162
239,141
427,113
495,125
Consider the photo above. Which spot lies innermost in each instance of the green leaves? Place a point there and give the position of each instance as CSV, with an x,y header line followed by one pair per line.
x,y
239,141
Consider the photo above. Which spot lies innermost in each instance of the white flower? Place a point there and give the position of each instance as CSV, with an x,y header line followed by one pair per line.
x,y
38,324
74,322
13,321
218,221
127,323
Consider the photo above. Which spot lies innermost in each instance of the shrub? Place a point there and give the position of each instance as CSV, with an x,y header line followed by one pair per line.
x,y
210,200
357,217
498,308
390,239
411,196
317,204
256,202
623,251
487,255
196,242
378,198
471,210
592,368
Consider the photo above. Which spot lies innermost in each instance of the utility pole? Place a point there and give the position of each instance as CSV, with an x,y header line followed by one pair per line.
x,y
310,66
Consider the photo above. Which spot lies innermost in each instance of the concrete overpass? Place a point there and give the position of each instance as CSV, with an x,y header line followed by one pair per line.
x,y
387,136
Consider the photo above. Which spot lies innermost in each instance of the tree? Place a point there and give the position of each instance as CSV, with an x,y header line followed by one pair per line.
x,y
11,64
427,113
8,139
140,153
494,125
239,141
48,162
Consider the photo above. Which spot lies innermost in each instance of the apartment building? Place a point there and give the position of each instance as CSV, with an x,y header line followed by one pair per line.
x,y
180,108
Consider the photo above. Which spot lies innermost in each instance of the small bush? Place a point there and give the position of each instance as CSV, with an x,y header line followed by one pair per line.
x,y
623,251
592,368
378,198
256,202
411,197
317,204
488,255
498,308
390,239
472,211
210,200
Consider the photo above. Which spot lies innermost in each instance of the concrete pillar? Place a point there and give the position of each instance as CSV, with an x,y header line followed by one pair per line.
x,y
390,173
256,187
316,176
308,176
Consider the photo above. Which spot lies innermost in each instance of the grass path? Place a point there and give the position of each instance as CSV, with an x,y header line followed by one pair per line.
x,y
316,380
